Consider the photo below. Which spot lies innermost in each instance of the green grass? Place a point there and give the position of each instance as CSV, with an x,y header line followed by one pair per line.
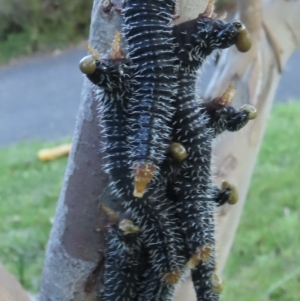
x,y
25,44
28,193
29,26
264,262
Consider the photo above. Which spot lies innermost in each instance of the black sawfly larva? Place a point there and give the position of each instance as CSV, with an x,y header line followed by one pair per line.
x,y
192,187
112,75
158,228
223,117
196,39
148,33
142,211
124,262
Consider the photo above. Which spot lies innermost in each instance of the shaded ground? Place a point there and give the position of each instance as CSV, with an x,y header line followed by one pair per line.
x,y
39,97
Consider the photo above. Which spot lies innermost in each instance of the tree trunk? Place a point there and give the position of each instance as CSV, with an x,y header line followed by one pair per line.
x,y
10,288
74,256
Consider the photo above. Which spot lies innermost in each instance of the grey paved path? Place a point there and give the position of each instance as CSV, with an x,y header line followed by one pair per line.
x,y
39,97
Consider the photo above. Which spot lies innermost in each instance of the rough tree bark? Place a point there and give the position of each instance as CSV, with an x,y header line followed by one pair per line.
x,y
73,264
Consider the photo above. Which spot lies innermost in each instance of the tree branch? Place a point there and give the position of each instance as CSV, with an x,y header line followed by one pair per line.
x,y
256,76
10,288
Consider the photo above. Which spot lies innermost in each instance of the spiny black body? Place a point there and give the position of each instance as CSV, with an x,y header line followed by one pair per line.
x,y
124,265
224,118
113,77
148,32
156,225
202,279
163,239
193,188
152,213
221,196
154,288
159,230
196,39
161,226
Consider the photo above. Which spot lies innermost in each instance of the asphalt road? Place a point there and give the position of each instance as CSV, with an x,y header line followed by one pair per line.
x,y
39,97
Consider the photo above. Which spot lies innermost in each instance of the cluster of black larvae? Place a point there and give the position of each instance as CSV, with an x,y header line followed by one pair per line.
x,y
158,148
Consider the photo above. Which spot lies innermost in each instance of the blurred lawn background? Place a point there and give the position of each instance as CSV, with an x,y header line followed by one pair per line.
x,y
264,262
29,26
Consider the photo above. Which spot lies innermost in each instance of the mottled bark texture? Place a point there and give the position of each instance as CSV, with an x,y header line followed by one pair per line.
x,y
75,249
74,256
